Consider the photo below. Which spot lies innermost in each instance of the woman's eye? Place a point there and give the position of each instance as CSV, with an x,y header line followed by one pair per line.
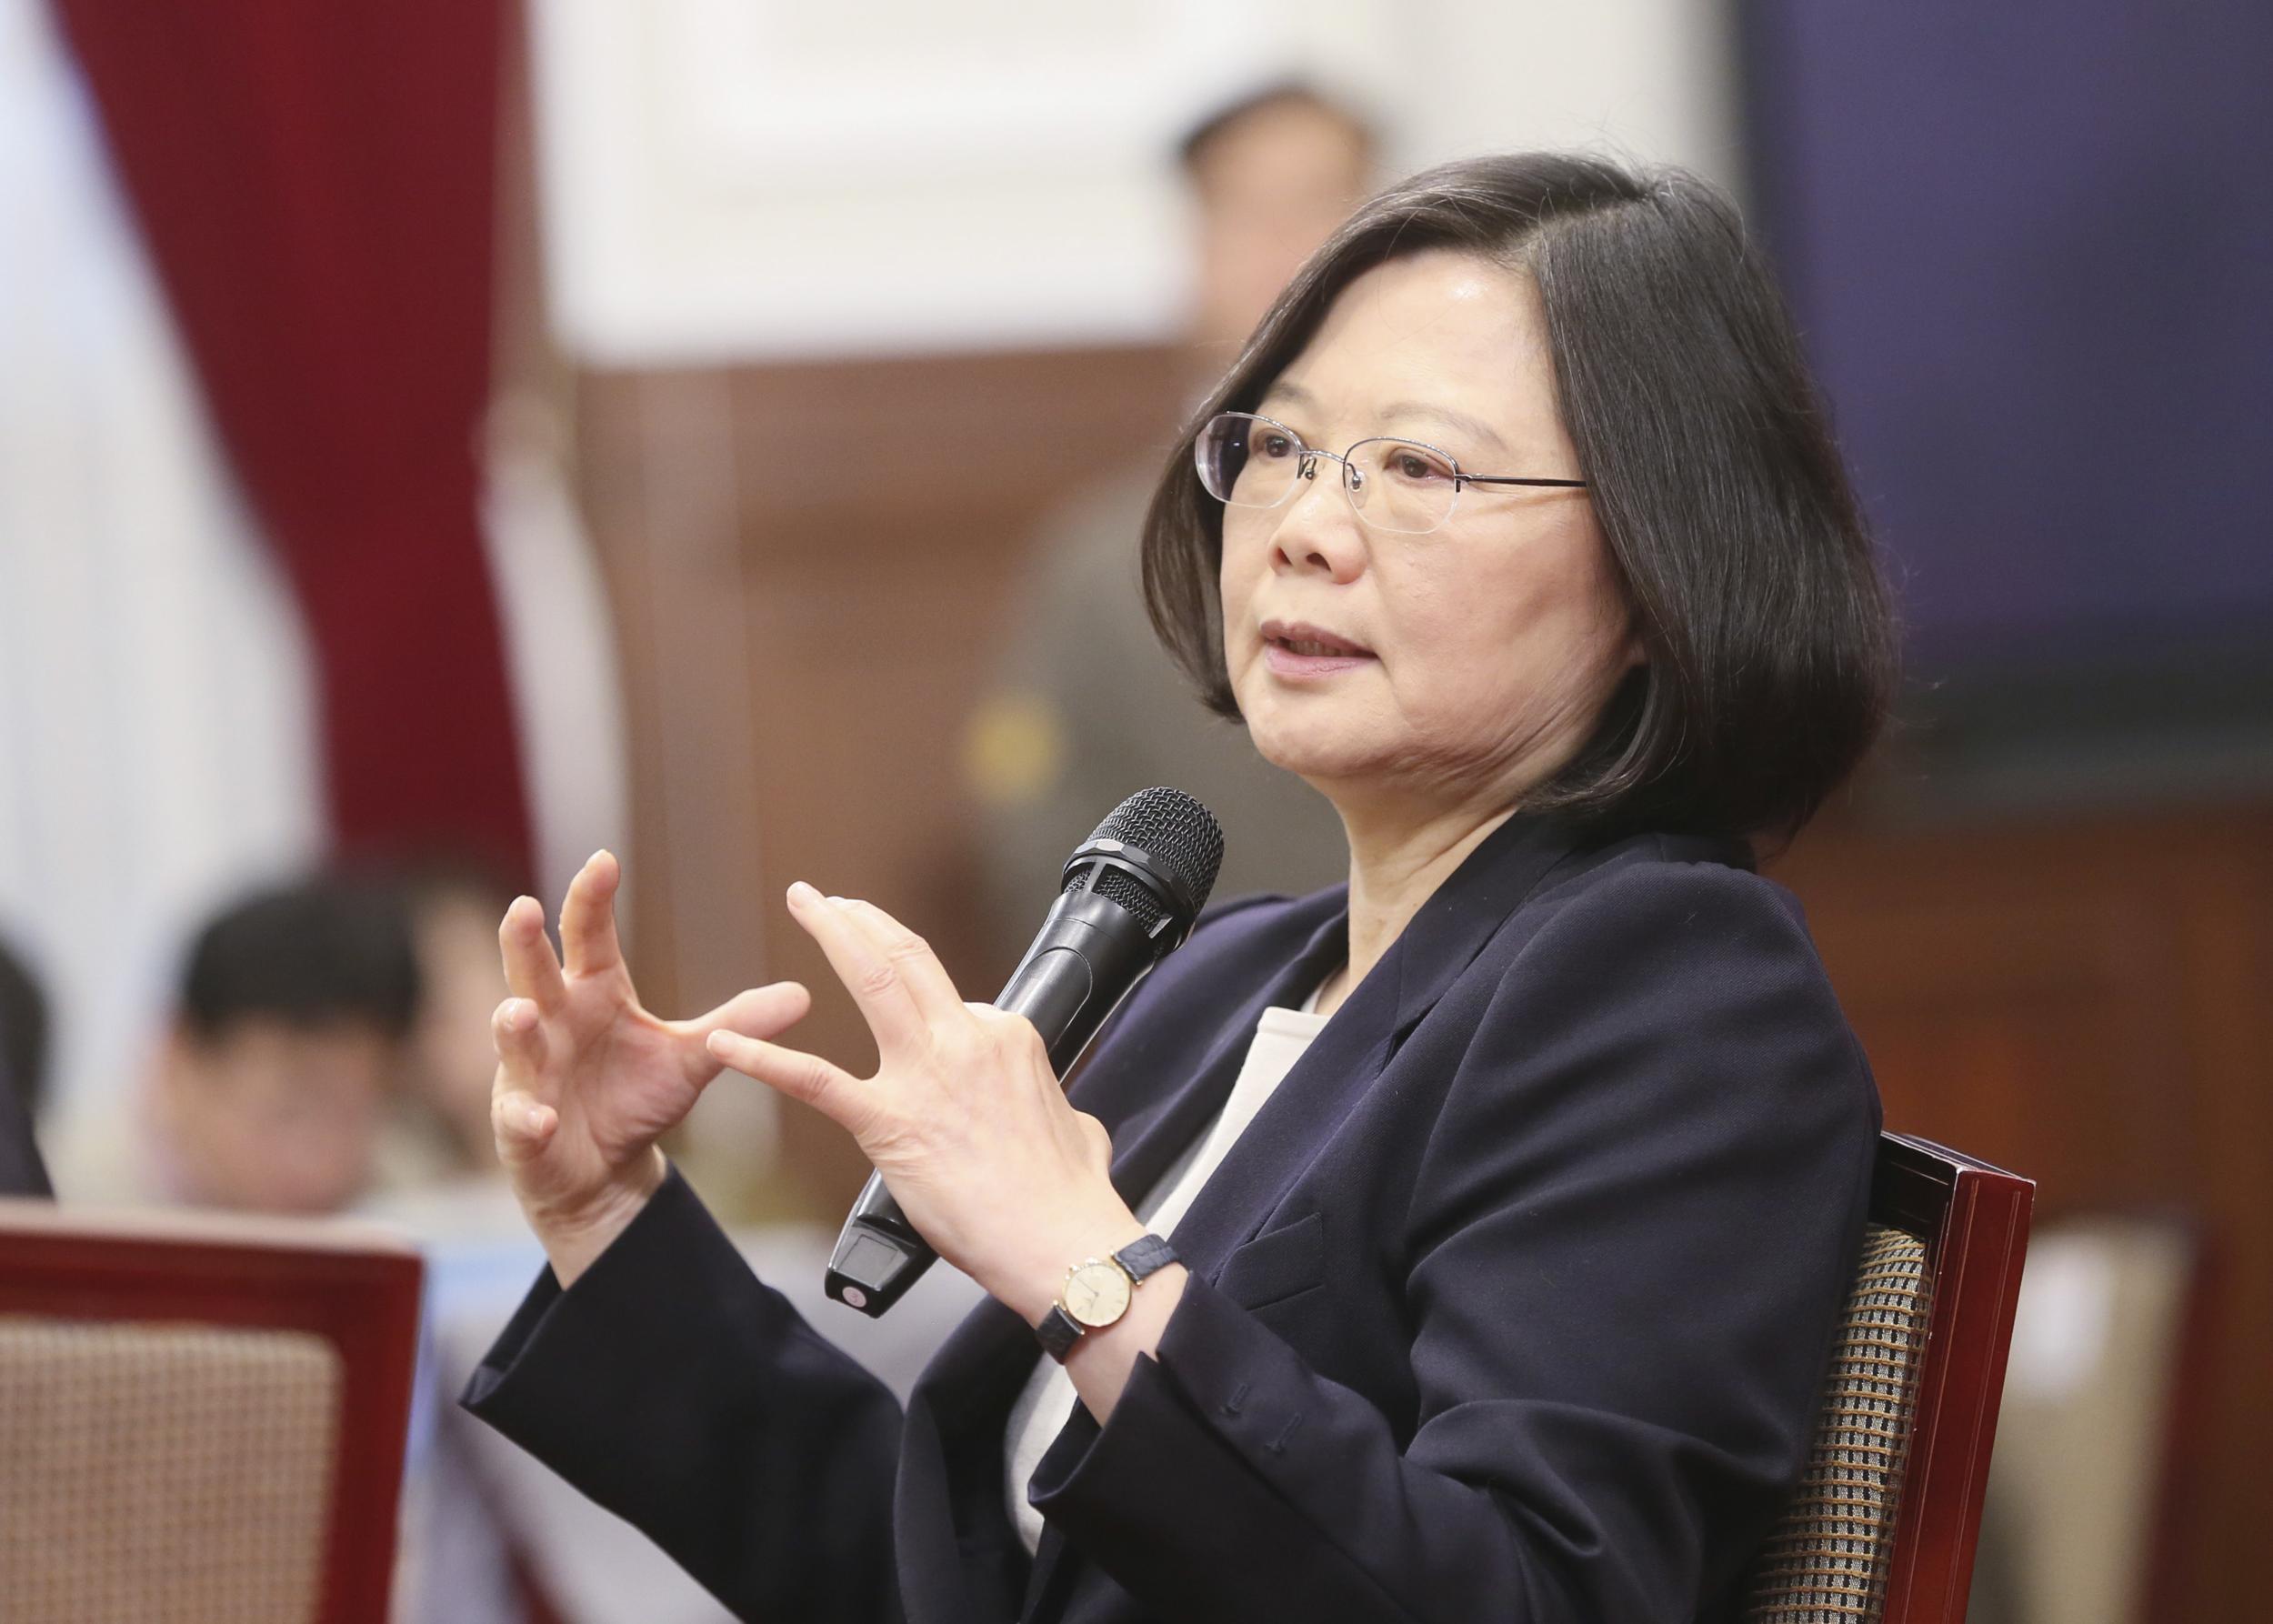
x,y
1274,445
1413,465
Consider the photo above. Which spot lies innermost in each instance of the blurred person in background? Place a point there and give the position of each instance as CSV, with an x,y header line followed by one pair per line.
x,y
1087,708
23,1075
437,1159
289,1038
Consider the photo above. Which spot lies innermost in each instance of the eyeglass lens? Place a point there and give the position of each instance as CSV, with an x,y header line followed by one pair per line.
x,y
1394,485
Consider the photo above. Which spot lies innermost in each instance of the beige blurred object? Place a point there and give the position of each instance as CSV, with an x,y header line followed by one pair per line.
x,y
202,1417
2078,1484
163,1472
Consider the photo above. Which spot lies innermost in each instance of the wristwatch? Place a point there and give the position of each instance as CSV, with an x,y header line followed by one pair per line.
x,y
1096,1293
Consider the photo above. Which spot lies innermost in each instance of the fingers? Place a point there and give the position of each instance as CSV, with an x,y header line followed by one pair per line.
x,y
520,1041
588,917
588,934
531,970
833,1092
926,977
761,1012
872,976
1019,1045
521,1125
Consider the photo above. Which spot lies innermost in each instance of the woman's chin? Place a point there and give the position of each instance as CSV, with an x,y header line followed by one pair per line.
x,y
1321,760
1304,734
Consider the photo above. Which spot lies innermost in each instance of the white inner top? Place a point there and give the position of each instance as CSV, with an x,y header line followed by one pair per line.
x,y
1043,1408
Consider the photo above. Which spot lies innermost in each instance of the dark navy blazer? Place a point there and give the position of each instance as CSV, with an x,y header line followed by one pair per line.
x,y
1511,1304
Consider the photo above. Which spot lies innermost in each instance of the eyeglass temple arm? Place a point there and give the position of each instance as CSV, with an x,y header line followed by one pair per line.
x,y
1503,479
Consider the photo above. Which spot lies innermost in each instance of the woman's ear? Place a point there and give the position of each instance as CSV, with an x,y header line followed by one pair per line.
x,y
1634,654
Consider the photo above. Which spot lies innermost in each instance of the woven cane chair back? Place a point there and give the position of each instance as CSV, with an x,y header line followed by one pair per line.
x,y
170,1474
1827,1561
202,1418
1882,1526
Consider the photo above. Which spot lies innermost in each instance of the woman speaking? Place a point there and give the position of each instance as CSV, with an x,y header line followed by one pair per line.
x,y
1463,1244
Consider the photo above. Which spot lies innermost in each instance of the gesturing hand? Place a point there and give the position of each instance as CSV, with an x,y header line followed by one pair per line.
x,y
963,1117
587,1080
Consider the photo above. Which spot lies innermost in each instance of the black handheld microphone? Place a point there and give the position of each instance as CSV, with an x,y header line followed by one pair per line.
x,y
1129,897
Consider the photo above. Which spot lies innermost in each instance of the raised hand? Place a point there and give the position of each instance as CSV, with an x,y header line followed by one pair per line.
x,y
587,1080
963,1117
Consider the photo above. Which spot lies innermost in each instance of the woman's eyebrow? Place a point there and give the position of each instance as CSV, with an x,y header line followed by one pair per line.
x,y
1474,426
1294,394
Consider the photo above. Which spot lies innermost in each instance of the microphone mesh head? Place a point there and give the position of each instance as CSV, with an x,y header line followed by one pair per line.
x,y
1173,831
1136,896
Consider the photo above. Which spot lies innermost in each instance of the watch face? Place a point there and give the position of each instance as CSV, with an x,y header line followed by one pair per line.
x,y
1096,1294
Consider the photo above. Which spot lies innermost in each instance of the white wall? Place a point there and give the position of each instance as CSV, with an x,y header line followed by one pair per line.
x,y
1652,80
750,178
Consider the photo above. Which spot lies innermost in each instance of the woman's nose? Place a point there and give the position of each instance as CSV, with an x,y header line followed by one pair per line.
x,y
1319,529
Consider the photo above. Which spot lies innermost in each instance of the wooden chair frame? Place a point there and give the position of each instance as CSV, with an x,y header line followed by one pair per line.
x,y
356,1287
1973,1219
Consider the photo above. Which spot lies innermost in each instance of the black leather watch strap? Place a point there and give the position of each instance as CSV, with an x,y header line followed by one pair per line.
x,y
1058,1333
1144,1256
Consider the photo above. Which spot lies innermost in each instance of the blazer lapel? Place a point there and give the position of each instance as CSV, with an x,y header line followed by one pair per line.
x,y
1467,910
1148,1142
1286,1136
1325,1086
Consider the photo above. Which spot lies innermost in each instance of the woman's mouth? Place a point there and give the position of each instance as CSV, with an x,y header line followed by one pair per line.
x,y
1297,650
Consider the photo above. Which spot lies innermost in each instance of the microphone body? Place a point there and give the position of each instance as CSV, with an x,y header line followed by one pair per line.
x,y
1125,904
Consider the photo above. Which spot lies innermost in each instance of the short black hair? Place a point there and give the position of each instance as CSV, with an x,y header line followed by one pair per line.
x,y
311,952
1769,638
23,1029
1277,93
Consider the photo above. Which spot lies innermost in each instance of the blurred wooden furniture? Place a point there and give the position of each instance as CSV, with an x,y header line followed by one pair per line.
x,y
1883,1524
202,1418
2090,996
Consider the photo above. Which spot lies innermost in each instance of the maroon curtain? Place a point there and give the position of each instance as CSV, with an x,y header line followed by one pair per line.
x,y
314,183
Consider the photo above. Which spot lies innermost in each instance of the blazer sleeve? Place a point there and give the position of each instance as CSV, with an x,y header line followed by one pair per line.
x,y
1632,1231
671,1387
